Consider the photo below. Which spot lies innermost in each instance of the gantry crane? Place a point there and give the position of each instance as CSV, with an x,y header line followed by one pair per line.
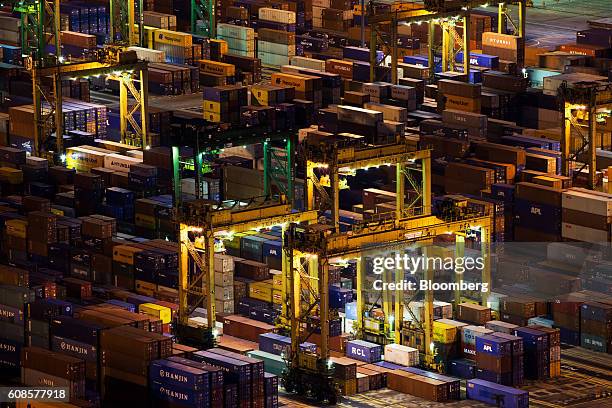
x,y
378,234
449,15
581,103
203,18
203,221
314,247
41,43
337,160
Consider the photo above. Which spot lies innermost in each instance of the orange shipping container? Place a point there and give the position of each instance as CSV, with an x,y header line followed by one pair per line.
x,y
340,67
463,104
585,49
299,82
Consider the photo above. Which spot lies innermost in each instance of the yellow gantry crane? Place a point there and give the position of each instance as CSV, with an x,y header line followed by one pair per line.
x,y
41,43
453,17
411,221
310,248
201,223
582,103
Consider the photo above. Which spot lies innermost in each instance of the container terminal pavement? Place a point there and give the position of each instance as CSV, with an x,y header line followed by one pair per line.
x,y
262,204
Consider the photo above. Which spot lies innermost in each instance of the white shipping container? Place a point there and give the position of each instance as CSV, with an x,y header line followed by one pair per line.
x,y
273,59
233,31
224,292
584,234
361,116
277,16
188,186
224,278
393,113
597,204
149,55
224,306
119,162
402,355
223,263
241,53
238,44
309,63
37,162
274,48
552,83
135,153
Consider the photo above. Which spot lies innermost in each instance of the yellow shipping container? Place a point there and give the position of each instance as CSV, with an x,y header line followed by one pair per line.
x,y
444,333
17,228
145,221
217,68
222,44
212,106
82,159
145,288
277,296
162,313
57,212
212,117
149,35
261,290
277,279
173,38
125,254
301,83
10,175
260,95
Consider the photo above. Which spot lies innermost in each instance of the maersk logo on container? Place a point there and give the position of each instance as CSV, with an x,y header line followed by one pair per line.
x,y
173,376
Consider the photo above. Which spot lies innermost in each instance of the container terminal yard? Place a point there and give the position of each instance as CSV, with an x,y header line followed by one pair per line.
x,y
305,203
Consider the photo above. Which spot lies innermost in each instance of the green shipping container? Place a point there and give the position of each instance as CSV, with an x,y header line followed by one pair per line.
x,y
272,363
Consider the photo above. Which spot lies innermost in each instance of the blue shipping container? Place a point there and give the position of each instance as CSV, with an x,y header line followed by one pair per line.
x,y
462,368
494,346
178,395
281,345
74,348
179,375
539,216
532,339
339,297
364,351
480,60
124,305
361,54
496,394
504,191
10,358
80,330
